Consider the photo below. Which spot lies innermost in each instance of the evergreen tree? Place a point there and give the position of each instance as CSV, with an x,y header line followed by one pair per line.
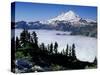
x,y
17,43
56,47
35,39
34,43
73,51
70,51
95,62
48,48
29,37
24,37
63,52
34,51
51,48
67,50
42,47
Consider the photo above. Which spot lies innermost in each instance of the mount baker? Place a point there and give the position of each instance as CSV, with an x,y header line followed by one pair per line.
x,y
68,21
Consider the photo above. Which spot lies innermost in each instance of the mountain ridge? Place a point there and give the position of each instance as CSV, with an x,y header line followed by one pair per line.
x,y
68,21
69,17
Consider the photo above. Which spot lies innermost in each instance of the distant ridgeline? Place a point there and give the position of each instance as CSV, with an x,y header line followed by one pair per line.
x,y
67,21
86,30
45,56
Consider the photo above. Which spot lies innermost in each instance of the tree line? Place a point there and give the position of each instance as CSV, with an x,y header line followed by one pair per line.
x,y
27,45
30,41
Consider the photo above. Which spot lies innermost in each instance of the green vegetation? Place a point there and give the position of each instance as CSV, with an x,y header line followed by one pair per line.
x,y
47,56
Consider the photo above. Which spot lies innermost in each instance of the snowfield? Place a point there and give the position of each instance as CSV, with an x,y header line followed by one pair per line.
x,y
86,47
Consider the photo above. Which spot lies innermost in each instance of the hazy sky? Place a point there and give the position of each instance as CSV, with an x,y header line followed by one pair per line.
x,y
36,11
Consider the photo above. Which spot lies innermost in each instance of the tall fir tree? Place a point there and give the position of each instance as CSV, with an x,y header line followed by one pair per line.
x,y
35,38
55,48
24,37
67,50
51,48
73,51
70,51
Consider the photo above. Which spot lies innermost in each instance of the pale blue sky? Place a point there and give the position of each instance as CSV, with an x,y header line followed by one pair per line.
x,y
37,11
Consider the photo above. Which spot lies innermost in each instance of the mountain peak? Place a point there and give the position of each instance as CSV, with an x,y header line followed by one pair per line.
x,y
67,16
70,12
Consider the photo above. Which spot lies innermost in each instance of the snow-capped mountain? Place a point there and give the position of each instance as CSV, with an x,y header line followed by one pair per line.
x,y
69,17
